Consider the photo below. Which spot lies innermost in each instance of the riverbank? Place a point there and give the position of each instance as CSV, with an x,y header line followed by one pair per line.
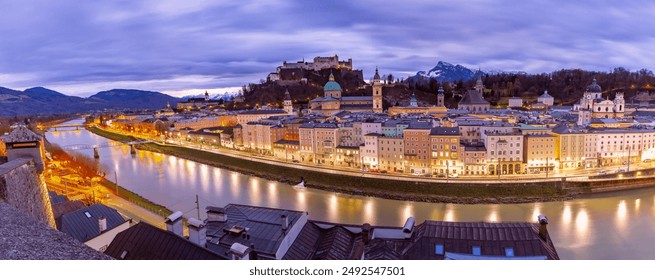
x,y
106,187
424,190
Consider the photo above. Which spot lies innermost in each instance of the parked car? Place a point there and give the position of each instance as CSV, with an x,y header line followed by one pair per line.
x,y
602,172
441,175
383,171
620,170
647,160
454,175
416,173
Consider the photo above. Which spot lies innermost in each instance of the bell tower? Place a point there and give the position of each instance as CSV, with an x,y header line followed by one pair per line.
x,y
440,97
377,92
288,105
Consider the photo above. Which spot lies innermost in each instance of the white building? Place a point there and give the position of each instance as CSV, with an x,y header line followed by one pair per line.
x,y
369,152
515,102
546,99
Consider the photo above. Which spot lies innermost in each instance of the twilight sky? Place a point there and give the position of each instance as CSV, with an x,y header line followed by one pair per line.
x,y
184,47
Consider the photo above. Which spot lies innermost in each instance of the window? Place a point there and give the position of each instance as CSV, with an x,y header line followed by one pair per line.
x,y
509,251
476,250
438,249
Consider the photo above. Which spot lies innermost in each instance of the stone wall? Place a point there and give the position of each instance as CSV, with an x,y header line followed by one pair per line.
x,y
22,238
24,188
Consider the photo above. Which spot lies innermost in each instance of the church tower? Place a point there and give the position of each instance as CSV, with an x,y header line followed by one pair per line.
x,y
288,105
206,96
584,118
412,101
377,92
619,105
440,97
479,86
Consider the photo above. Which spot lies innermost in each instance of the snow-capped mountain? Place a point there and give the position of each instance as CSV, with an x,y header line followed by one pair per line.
x,y
446,72
211,96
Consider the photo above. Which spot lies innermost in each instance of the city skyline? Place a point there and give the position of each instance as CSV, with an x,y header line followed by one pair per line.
x,y
184,48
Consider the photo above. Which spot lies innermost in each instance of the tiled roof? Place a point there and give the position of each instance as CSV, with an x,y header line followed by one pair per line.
x,y
56,199
335,243
492,238
21,134
60,209
356,98
447,131
473,97
262,228
82,224
146,242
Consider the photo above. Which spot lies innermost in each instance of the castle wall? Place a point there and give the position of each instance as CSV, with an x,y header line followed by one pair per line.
x,y
24,188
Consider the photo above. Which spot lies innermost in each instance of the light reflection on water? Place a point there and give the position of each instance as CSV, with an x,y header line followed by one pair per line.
x,y
590,228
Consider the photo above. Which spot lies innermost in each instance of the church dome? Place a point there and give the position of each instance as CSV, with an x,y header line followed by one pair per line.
x,y
332,85
594,87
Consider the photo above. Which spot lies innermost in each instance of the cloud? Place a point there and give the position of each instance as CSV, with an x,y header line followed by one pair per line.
x,y
82,46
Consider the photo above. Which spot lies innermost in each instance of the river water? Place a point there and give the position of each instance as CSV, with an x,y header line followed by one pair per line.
x,y
618,225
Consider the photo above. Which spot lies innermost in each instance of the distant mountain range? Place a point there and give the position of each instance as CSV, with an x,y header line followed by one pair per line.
x,y
446,72
43,101
211,97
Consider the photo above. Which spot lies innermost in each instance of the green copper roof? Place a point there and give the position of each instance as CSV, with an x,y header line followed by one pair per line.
x,y
332,85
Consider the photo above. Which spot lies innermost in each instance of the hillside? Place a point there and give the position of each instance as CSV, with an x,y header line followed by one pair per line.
x,y
133,99
43,101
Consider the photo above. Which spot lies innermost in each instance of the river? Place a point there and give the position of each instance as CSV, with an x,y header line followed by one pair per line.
x,y
619,225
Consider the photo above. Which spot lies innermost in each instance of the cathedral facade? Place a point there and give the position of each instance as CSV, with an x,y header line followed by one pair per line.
x,y
592,105
332,101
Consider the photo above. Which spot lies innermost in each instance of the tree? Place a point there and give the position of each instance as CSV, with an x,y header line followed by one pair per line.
x,y
390,78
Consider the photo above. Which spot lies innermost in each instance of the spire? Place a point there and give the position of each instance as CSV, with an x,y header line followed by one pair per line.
x,y
377,75
331,76
206,95
168,104
479,86
287,96
412,101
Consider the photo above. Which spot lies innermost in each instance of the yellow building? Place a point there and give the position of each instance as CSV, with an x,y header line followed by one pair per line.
x,y
539,153
445,150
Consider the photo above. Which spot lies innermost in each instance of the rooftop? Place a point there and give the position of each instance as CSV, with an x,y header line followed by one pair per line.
x,y
82,224
146,242
473,97
263,112
258,226
445,131
21,134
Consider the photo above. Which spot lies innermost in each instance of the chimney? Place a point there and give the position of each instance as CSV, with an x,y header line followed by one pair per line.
x,y
408,228
543,231
239,251
174,223
197,232
102,224
216,214
285,222
366,233
253,253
